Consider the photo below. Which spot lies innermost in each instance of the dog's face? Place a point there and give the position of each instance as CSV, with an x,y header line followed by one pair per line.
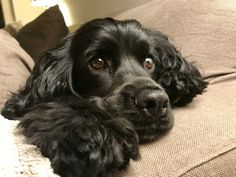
x,y
115,63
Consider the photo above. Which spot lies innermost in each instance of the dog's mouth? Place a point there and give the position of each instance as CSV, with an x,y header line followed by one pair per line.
x,y
149,129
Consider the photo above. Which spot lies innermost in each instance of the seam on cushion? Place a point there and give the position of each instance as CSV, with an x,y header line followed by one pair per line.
x,y
206,161
222,78
213,76
26,65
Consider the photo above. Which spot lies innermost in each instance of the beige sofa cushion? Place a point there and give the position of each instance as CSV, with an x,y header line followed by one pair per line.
x,y
15,66
204,31
203,139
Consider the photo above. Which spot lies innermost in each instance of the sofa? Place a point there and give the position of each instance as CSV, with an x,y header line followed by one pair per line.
x,y
202,142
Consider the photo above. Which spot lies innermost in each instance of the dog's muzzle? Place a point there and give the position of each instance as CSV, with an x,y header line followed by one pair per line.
x,y
144,103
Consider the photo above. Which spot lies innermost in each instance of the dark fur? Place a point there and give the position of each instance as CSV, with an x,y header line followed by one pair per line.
x,y
86,122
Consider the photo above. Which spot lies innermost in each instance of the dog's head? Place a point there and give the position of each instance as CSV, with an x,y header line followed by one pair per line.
x,y
123,68
115,67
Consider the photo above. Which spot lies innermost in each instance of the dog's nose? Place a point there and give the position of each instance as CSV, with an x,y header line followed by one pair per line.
x,y
155,102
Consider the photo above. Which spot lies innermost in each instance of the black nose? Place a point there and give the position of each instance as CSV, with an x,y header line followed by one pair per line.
x,y
156,102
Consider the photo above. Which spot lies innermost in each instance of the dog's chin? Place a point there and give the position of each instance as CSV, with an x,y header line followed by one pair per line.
x,y
149,129
153,131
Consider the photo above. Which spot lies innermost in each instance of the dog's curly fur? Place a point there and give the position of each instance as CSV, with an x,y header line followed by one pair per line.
x,y
103,90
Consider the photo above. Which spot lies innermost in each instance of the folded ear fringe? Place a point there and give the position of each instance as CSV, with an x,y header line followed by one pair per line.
x,y
181,80
182,83
50,77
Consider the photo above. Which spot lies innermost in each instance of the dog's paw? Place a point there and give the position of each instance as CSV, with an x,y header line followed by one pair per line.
x,y
96,149
125,135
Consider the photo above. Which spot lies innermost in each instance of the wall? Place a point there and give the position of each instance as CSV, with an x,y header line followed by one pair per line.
x,y
1,16
20,10
84,10
24,12
8,12
74,11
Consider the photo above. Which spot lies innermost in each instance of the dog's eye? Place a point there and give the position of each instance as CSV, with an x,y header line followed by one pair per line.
x,y
97,64
148,64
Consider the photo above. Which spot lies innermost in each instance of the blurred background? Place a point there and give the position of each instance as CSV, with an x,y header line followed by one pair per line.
x,y
75,12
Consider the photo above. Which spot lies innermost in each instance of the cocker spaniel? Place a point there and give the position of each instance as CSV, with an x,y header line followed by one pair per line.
x,y
102,91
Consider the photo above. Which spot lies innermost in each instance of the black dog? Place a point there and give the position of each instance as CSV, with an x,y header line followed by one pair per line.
x,y
103,90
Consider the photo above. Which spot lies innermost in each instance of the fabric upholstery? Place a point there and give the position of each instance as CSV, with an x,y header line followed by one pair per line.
x,y
43,33
15,66
204,136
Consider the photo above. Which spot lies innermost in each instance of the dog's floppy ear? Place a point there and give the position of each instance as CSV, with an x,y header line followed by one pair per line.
x,y
181,80
50,76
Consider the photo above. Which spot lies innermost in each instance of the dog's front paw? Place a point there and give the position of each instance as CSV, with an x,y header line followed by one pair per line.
x,y
123,133
75,154
97,151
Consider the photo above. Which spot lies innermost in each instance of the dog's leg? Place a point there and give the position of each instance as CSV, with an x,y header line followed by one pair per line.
x,y
79,140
